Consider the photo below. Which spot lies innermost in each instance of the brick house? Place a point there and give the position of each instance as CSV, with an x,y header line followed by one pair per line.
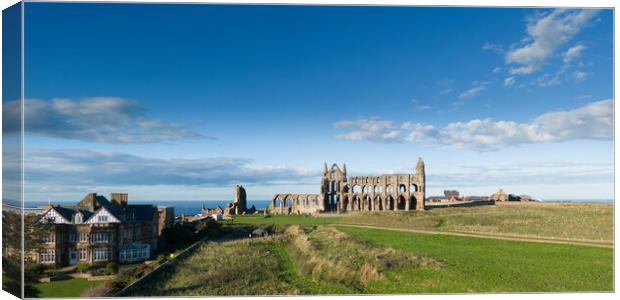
x,y
99,230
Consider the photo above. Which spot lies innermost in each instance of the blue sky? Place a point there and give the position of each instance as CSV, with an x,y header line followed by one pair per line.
x,y
185,101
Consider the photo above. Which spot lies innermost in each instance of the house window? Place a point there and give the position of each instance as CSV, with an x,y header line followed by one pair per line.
x,y
99,237
83,254
72,237
50,238
102,218
83,236
47,256
77,219
101,254
133,254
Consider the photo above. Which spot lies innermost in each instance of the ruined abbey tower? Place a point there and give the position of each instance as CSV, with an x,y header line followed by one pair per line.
x,y
358,193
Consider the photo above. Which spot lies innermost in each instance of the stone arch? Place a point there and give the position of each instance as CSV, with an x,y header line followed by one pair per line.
x,y
413,187
378,189
357,202
367,189
402,188
389,202
389,189
346,188
367,202
401,202
413,202
345,203
357,189
335,186
378,203
287,201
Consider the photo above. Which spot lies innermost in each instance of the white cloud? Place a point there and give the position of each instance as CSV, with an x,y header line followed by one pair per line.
x,y
370,129
573,52
497,70
593,121
509,81
493,47
546,33
580,76
549,80
99,119
83,171
524,70
478,87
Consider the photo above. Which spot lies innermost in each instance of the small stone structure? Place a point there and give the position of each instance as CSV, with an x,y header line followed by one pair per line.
x,y
502,196
239,206
340,193
240,203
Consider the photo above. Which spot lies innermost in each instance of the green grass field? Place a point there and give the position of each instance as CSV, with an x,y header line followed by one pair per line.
x,y
73,287
343,260
488,265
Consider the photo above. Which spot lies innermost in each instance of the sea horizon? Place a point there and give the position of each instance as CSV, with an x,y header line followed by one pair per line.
x,y
193,207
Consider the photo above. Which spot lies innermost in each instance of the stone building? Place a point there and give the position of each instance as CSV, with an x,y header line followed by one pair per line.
x,y
99,230
165,217
240,200
500,196
342,193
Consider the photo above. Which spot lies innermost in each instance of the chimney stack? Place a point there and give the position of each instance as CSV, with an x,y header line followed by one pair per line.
x,y
120,199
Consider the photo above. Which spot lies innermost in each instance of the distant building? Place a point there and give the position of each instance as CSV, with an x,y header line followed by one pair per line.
x,y
166,217
500,196
451,193
99,230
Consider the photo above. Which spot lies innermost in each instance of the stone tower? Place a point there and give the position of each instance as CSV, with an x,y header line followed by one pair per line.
x,y
421,192
332,182
240,200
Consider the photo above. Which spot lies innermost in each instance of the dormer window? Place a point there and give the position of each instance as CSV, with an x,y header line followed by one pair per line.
x,y
102,218
78,219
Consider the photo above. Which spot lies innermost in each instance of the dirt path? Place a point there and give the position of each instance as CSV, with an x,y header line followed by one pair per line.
x,y
592,243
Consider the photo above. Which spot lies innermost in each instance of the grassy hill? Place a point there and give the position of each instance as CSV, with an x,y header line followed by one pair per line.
x,y
322,256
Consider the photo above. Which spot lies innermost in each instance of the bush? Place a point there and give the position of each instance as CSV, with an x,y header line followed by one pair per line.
x,y
111,268
82,267
34,270
160,258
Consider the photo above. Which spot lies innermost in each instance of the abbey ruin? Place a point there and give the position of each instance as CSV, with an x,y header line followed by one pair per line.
x,y
340,193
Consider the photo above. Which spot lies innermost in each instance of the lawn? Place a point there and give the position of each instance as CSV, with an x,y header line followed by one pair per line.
x,y
73,287
488,265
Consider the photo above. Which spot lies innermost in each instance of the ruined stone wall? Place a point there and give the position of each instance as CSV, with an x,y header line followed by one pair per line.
x,y
340,193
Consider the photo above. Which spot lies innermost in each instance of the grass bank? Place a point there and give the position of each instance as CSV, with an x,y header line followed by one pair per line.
x,y
246,267
322,261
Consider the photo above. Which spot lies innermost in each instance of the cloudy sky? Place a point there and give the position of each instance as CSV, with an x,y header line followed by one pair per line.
x,y
173,102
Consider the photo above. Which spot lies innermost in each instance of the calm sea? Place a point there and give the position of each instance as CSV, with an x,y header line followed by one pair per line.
x,y
187,207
